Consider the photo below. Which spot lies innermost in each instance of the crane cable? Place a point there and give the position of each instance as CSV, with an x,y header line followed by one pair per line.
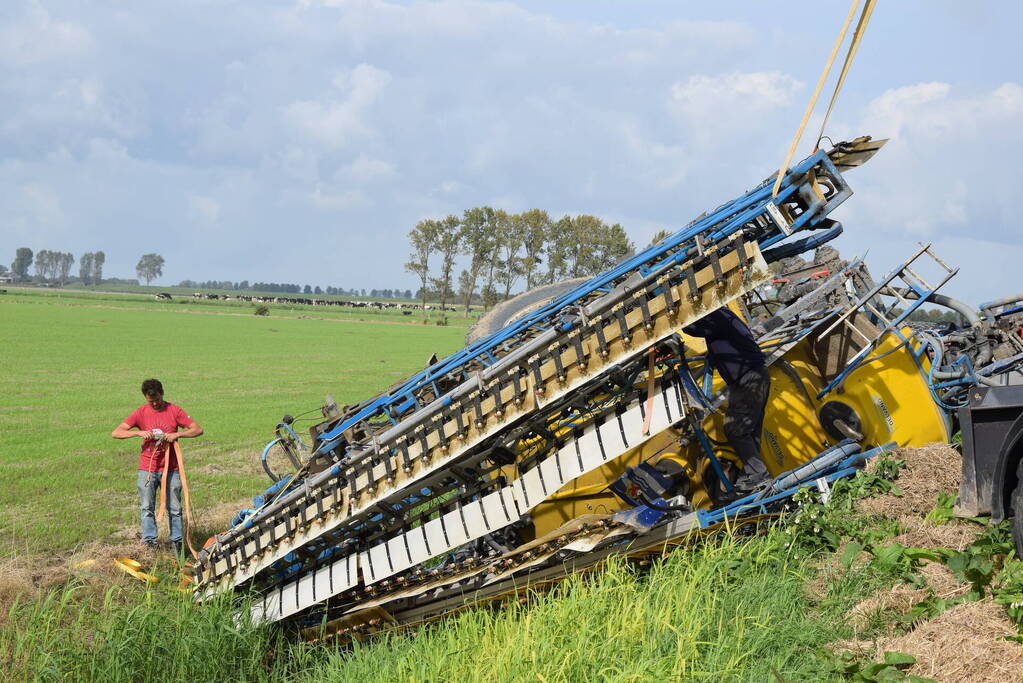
x,y
861,27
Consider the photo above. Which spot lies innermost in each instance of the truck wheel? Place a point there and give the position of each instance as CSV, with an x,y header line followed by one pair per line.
x,y
1017,510
508,311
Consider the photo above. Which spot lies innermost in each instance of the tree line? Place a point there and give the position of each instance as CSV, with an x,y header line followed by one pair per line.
x,y
54,267
500,249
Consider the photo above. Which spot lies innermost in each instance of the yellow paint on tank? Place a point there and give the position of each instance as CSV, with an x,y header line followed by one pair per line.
x,y
891,397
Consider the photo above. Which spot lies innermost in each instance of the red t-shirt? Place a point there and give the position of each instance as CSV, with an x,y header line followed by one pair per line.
x,y
166,420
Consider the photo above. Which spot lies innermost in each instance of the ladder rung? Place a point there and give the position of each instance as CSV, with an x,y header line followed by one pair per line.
x,y
856,330
869,306
923,283
894,291
937,259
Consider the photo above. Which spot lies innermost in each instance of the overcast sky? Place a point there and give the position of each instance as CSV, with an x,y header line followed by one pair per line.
x,y
299,141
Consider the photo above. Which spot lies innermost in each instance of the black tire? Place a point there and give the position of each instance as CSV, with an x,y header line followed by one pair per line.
x,y
1017,510
508,311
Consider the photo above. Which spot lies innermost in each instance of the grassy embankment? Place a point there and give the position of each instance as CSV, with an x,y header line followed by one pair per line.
x,y
839,591
873,573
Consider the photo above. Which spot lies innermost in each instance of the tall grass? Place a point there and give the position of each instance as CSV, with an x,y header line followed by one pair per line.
x,y
128,635
728,610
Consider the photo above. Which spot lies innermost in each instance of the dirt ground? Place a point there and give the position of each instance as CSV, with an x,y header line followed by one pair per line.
x,y
928,471
966,642
24,577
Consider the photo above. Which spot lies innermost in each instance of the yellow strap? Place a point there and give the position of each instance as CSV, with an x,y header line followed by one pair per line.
x,y
861,27
816,94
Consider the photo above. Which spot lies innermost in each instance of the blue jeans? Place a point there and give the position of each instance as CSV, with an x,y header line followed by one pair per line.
x,y
149,494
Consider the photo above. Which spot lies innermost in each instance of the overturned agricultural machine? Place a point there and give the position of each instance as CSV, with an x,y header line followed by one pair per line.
x,y
590,425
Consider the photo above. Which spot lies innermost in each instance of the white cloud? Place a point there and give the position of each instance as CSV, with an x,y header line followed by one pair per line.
x,y
365,170
204,209
726,99
37,37
339,122
329,199
949,168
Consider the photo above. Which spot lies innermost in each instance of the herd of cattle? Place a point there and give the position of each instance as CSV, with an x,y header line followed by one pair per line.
x,y
405,308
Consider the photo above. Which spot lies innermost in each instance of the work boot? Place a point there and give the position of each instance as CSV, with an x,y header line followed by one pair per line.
x,y
754,474
748,483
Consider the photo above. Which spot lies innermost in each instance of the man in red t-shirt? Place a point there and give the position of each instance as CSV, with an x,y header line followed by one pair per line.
x,y
157,423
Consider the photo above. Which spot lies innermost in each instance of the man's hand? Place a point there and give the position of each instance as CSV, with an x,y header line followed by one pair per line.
x,y
145,434
171,436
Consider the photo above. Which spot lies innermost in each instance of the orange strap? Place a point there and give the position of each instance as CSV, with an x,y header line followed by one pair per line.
x,y
186,502
649,393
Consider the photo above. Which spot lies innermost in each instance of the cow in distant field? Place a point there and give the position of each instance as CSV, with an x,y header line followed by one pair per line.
x,y
163,296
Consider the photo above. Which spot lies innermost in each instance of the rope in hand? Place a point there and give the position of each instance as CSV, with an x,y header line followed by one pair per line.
x,y
186,503
861,27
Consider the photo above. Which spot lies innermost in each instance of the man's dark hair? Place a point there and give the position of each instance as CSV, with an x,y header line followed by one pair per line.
x,y
152,387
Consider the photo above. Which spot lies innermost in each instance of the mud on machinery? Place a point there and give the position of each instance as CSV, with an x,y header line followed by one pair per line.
x,y
589,426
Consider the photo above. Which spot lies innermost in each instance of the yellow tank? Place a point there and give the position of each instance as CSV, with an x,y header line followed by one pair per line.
x,y
887,399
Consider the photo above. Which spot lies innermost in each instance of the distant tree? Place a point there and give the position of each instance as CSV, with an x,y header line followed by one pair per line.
x,y
558,247
243,285
661,234
85,268
535,227
3,269
149,267
449,241
500,234
362,292
610,245
21,264
478,238
408,293
42,264
317,290
584,245
509,262
424,241
64,262
97,267
307,290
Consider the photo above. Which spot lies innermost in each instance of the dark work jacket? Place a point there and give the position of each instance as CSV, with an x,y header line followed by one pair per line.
x,y
731,348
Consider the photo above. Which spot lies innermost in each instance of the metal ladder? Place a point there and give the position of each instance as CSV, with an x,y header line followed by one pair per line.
x,y
897,281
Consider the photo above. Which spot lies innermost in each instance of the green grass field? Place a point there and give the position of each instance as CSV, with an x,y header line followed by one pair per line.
x,y
70,372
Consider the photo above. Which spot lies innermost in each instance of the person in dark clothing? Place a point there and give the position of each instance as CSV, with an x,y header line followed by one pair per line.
x,y
734,353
